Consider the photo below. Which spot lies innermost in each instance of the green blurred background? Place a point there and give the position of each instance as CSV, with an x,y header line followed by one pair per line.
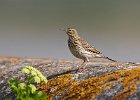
x,y
30,28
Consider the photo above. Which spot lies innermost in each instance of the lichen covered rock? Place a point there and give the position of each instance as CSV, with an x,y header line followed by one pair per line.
x,y
99,80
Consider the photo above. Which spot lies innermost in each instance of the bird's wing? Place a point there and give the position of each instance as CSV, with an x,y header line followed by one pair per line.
x,y
89,48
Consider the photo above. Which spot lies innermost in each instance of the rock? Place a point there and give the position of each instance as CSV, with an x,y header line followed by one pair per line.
x,y
100,80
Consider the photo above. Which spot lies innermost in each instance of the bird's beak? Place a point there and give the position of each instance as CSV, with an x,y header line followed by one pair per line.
x,y
65,30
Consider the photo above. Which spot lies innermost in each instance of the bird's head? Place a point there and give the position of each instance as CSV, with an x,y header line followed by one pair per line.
x,y
71,32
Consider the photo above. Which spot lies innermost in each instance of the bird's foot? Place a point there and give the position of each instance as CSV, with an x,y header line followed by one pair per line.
x,y
80,68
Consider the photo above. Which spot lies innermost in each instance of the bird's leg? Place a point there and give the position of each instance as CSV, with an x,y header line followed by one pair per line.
x,y
82,66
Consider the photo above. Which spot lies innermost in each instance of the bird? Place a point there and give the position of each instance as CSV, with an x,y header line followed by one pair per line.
x,y
82,49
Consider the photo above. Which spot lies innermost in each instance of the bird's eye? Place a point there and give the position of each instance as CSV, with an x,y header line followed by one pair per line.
x,y
69,30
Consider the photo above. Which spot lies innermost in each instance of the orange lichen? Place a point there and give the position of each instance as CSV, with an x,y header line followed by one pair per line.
x,y
90,88
58,85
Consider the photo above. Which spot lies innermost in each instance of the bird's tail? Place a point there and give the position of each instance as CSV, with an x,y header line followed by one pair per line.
x,y
102,56
110,59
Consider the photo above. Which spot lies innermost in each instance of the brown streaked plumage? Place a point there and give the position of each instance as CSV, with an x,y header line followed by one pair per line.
x,y
80,48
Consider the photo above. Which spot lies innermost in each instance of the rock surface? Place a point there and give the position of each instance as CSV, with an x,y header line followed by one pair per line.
x,y
100,80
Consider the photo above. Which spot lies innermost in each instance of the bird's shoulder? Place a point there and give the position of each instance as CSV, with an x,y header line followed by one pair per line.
x,y
88,47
